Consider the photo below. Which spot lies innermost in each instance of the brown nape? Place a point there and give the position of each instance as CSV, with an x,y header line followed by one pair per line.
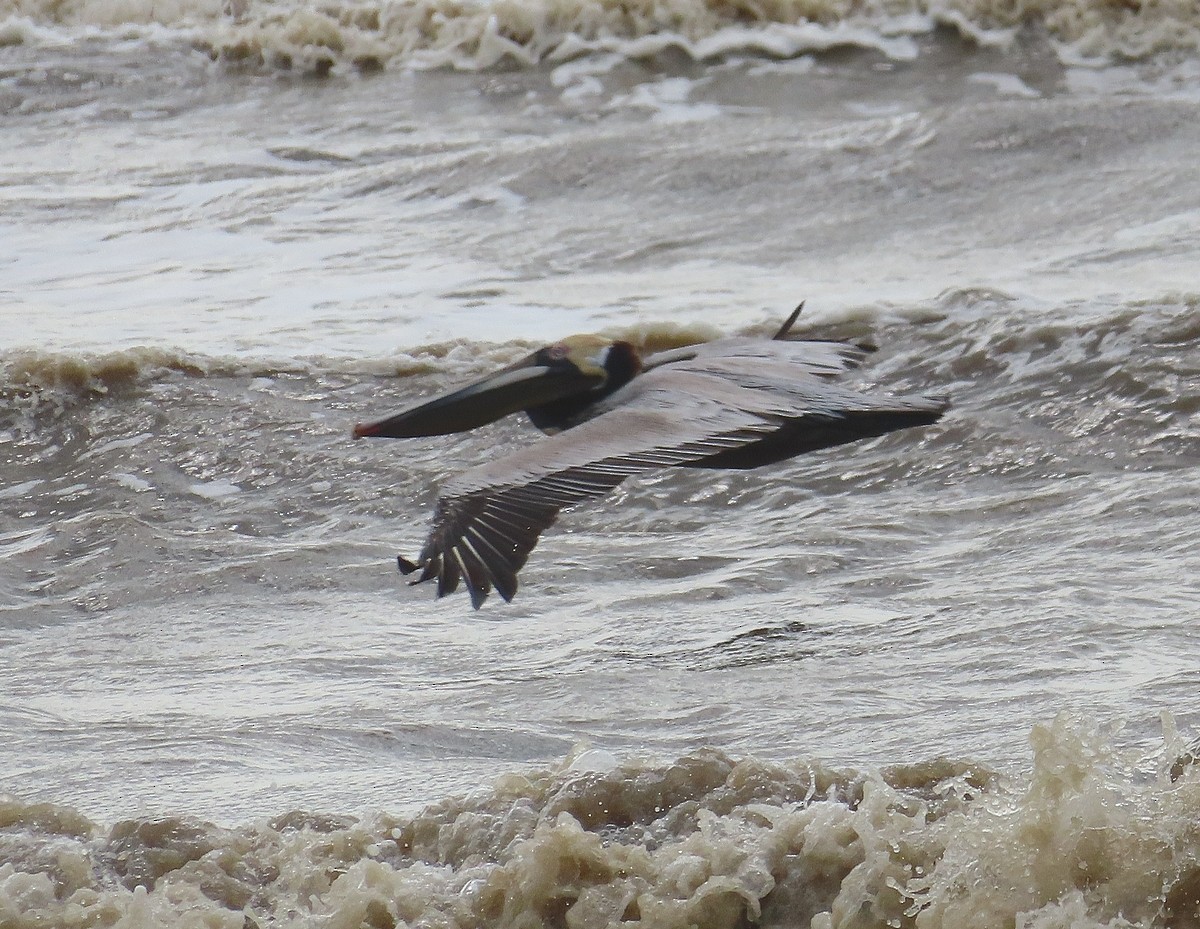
x,y
623,364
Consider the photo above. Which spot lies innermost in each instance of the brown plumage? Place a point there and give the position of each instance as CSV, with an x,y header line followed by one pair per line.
x,y
733,403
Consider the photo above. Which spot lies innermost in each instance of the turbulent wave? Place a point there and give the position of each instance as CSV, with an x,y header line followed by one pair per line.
x,y
97,375
1085,839
1055,391
964,334
481,34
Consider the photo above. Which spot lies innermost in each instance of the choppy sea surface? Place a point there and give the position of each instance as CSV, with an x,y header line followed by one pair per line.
x,y
946,678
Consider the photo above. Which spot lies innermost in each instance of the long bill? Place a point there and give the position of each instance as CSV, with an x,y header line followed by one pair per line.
x,y
519,387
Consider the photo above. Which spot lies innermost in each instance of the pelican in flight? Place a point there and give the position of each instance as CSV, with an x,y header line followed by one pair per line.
x,y
610,414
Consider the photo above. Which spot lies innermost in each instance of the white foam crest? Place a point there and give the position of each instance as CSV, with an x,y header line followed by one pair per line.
x,y
774,40
482,34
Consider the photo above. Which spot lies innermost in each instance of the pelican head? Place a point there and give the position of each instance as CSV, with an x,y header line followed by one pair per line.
x,y
555,386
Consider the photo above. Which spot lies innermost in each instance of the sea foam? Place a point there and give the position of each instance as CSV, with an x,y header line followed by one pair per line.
x,y
483,34
1086,837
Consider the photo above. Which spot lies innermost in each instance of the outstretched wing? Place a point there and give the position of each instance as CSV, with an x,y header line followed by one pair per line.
x,y
724,396
488,519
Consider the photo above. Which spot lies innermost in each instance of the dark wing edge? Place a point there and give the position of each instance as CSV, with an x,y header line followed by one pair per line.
x,y
483,537
811,432
788,323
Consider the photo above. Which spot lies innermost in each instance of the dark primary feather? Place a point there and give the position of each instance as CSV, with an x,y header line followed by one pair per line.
x,y
483,536
783,330
732,403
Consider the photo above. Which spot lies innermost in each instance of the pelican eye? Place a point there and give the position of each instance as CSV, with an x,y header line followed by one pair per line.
x,y
558,352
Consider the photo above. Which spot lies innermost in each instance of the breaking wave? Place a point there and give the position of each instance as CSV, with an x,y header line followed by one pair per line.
x,y
484,34
1087,837
961,335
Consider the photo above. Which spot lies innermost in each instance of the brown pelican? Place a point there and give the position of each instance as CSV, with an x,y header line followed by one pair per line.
x,y
731,403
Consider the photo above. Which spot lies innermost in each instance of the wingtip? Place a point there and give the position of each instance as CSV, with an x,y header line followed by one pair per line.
x,y
788,323
507,590
406,567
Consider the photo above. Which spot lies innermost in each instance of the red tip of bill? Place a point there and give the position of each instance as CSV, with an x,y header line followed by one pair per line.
x,y
364,430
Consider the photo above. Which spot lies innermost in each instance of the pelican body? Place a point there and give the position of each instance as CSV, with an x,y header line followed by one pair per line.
x,y
611,414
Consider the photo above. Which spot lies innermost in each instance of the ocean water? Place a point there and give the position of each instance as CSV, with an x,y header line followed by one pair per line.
x,y
946,678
